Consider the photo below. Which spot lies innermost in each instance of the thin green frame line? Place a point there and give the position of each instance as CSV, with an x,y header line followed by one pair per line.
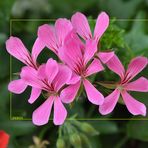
x,y
91,119
68,119
10,72
17,20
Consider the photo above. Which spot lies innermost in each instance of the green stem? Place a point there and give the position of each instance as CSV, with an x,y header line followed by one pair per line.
x,y
122,142
60,131
91,110
107,85
41,135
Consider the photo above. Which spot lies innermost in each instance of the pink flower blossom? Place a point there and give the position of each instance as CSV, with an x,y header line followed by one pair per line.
x,y
54,36
79,58
136,66
81,25
16,48
50,77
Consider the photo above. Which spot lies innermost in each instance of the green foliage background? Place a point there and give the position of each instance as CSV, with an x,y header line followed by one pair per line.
x,y
127,36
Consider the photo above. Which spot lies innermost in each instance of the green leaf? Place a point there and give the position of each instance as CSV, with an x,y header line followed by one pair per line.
x,y
17,128
104,127
138,130
136,38
120,9
113,37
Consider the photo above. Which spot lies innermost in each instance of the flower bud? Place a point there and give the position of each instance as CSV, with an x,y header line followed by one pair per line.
x,y
85,140
60,143
75,140
88,129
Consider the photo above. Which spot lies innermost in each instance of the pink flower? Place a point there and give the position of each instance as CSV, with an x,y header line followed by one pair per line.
x,y
79,58
81,25
16,48
136,66
54,36
50,77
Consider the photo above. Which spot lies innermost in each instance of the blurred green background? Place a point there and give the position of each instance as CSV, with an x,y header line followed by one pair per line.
x,y
127,36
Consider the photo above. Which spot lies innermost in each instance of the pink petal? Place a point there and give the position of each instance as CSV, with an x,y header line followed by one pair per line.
x,y
37,48
134,107
17,86
105,56
73,36
42,113
101,25
51,70
62,27
94,67
42,72
109,102
71,53
30,77
90,50
80,23
136,66
62,77
60,112
94,96
69,93
46,33
35,93
140,84
16,48
74,79
116,66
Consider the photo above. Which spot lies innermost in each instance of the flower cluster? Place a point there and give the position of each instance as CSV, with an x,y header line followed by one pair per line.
x,y
79,56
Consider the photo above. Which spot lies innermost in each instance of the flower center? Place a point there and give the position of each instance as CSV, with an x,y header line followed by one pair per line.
x,y
120,87
52,93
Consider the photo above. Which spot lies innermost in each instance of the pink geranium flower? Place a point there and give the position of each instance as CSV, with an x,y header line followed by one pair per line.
x,y
80,60
16,48
54,36
81,25
50,77
134,107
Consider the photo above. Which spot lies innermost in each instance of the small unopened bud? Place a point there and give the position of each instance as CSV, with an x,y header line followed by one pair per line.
x,y
85,140
75,140
88,129
60,143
